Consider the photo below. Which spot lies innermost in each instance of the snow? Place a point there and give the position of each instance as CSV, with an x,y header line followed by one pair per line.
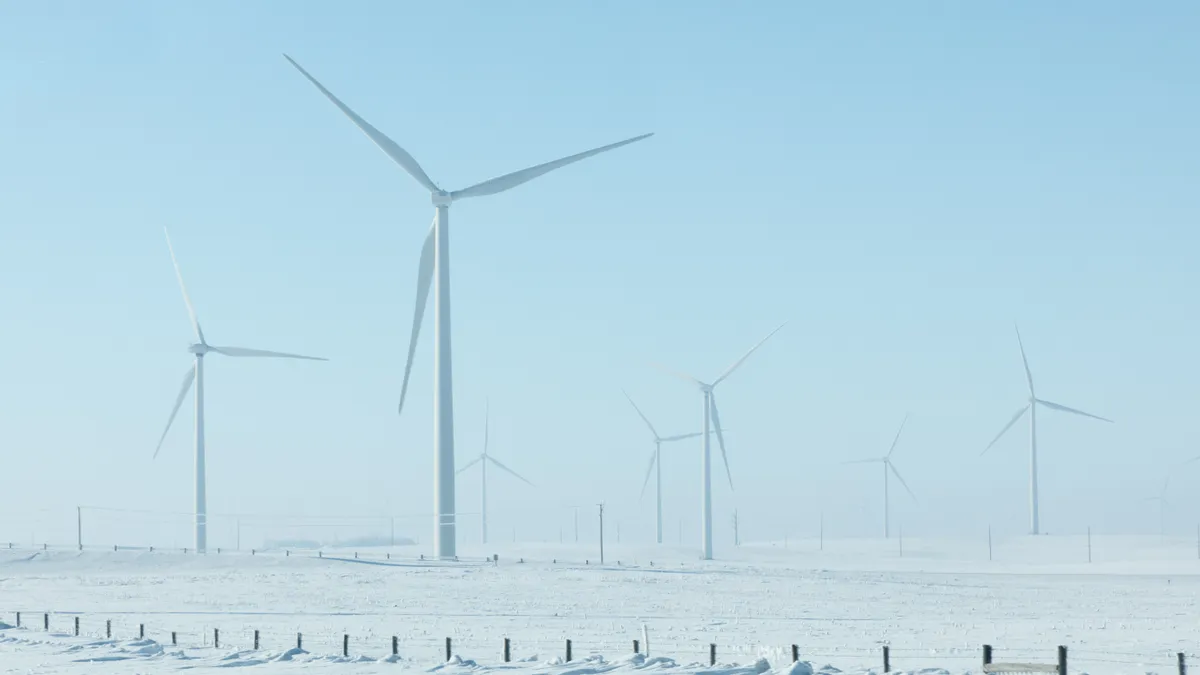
x,y
1129,611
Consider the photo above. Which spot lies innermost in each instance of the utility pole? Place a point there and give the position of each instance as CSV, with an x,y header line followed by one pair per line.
x,y
601,505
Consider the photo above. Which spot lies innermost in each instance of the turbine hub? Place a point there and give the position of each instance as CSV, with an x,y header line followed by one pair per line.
x,y
199,349
442,198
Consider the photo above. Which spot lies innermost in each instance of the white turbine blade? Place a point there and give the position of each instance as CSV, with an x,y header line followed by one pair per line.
x,y
716,418
495,461
1025,361
739,362
649,472
183,392
186,298
512,180
397,153
675,373
1059,406
683,437
242,351
641,414
863,461
897,438
424,282
901,479
469,464
1008,426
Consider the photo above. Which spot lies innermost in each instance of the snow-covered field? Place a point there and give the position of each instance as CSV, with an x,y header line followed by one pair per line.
x,y
1129,611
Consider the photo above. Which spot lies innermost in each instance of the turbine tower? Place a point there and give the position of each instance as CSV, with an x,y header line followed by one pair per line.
x,y
1031,408
656,464
888,467
1163,504
196,374
483,460
435,264
712,420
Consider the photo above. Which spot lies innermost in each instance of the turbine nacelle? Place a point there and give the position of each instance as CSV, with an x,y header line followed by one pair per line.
x,y
442,198
199,349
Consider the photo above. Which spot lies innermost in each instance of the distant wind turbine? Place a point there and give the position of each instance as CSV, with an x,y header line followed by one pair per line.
x,y
435,263
1031,408
656,464
196,374
712,420
886,461
1163,504
483,460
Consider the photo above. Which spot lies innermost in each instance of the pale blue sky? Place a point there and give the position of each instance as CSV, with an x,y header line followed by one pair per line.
x,y
901,181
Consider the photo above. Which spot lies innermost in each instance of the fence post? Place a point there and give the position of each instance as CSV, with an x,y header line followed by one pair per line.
x,y
299,641
174,639
256,640
395,646
46,622
345,645
987,655
712,654
1062,660
795,653
76,626
887,659
568,651
1182,664
18,619
141,631
507,651
108,629
448,650
216,638
636,647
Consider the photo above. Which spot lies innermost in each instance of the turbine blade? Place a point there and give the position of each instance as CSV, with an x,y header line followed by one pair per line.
x,y
675,373
1025,361
1063,408
863,461
1008,426
397,153
186,298
424,282
469,464
901,479
486,414
512,180
641,414
683,437
495,461
649,472
716,418
739,362
242,351
897,438
183,391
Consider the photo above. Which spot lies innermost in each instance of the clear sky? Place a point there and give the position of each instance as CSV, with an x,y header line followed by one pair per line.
x,y
901,181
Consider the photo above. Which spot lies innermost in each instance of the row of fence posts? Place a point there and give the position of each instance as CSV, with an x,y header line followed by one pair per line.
x,y
1060,667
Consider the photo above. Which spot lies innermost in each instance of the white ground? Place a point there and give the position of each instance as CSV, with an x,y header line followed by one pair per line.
x,y
1128,612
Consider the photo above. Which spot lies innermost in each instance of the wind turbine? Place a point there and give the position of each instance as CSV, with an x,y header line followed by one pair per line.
x,y
1031,408
1163,504
888,467
656,463
196,374
483,460
712,419
435,263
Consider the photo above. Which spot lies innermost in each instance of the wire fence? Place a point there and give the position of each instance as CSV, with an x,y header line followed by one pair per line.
x,y
227,633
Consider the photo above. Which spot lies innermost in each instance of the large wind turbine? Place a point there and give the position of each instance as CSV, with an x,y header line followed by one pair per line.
x,y
483,460
196,374
1031,408
712,419
886,461
656,463
435,263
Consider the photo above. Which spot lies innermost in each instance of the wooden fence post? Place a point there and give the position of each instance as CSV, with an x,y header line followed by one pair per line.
x,y
637,648
76,626
256,639
1062,660
108,629
987,655
217,636
46,622
141,631
712,654
795,653
345,645
887,659
568,651
448,649
507,651
18,619
395,646
300,641
1182,664
174,639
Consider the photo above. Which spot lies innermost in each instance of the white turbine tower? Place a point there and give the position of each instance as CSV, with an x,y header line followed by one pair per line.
x,y
656,464
483,460
888,467
196,374
1031,408
712,420
1163,504
435,263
